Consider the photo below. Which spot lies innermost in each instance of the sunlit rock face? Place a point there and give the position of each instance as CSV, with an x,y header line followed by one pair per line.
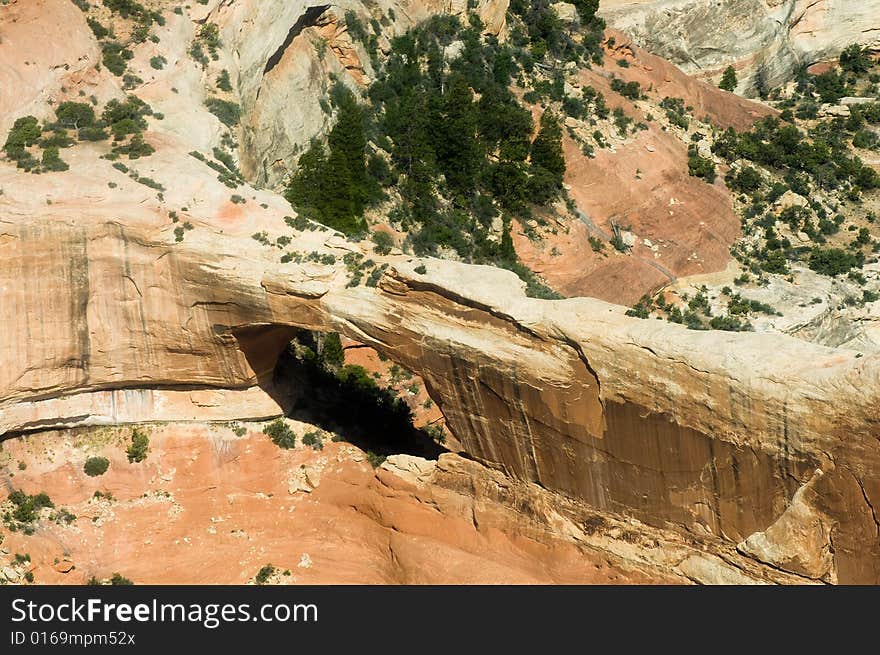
x,y
288,53
705,36
706,432
109,319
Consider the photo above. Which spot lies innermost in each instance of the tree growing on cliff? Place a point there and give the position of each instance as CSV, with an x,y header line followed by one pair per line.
x,y
586,9
338,202
547,163
762,81
348,142
25,133
304,189
508,253
701,167
140,444
728,80
76,115
856,59
332,351
456,145
331,184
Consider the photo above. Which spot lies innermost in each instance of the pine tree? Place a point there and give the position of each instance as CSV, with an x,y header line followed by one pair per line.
x,y
508,253
504,124
338,196
408,124
333,187
728,80
855,59
586,9
547,161
305,187
509,184
456,144
348,140
761,81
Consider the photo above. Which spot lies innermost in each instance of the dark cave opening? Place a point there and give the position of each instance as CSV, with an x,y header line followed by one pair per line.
x,y
308,19
317,387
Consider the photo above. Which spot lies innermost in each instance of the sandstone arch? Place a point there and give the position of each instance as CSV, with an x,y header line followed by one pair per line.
x,y
699,431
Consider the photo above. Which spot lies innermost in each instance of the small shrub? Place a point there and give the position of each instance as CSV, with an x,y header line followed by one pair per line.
x,y
280,434
137,451
833,261
264,574
130,81
115,57
223,81
701,167
25,510
64,516
98,30
594,523
729,324
631,90
96,466
118,580
382,243
313,439
52,161
229,113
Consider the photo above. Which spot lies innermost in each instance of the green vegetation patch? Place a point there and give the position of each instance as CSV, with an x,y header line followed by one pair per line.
x,y
96,466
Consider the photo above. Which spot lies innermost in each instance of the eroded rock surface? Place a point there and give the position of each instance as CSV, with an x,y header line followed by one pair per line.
x,y
708,432
800,540
705,36
109,319
213,504
209,507
284,75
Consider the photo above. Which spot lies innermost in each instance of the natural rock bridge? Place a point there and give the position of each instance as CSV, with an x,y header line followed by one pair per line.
x,y
701,431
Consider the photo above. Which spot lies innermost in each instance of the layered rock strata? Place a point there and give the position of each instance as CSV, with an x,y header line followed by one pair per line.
x,y
705,36
710,432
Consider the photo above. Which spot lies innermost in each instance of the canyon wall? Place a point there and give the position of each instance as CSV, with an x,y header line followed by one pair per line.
x,y
713,433
705,36
284,77
764,441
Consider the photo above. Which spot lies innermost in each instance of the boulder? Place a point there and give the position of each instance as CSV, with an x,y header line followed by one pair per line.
x,y
799,540
712,570
566,12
